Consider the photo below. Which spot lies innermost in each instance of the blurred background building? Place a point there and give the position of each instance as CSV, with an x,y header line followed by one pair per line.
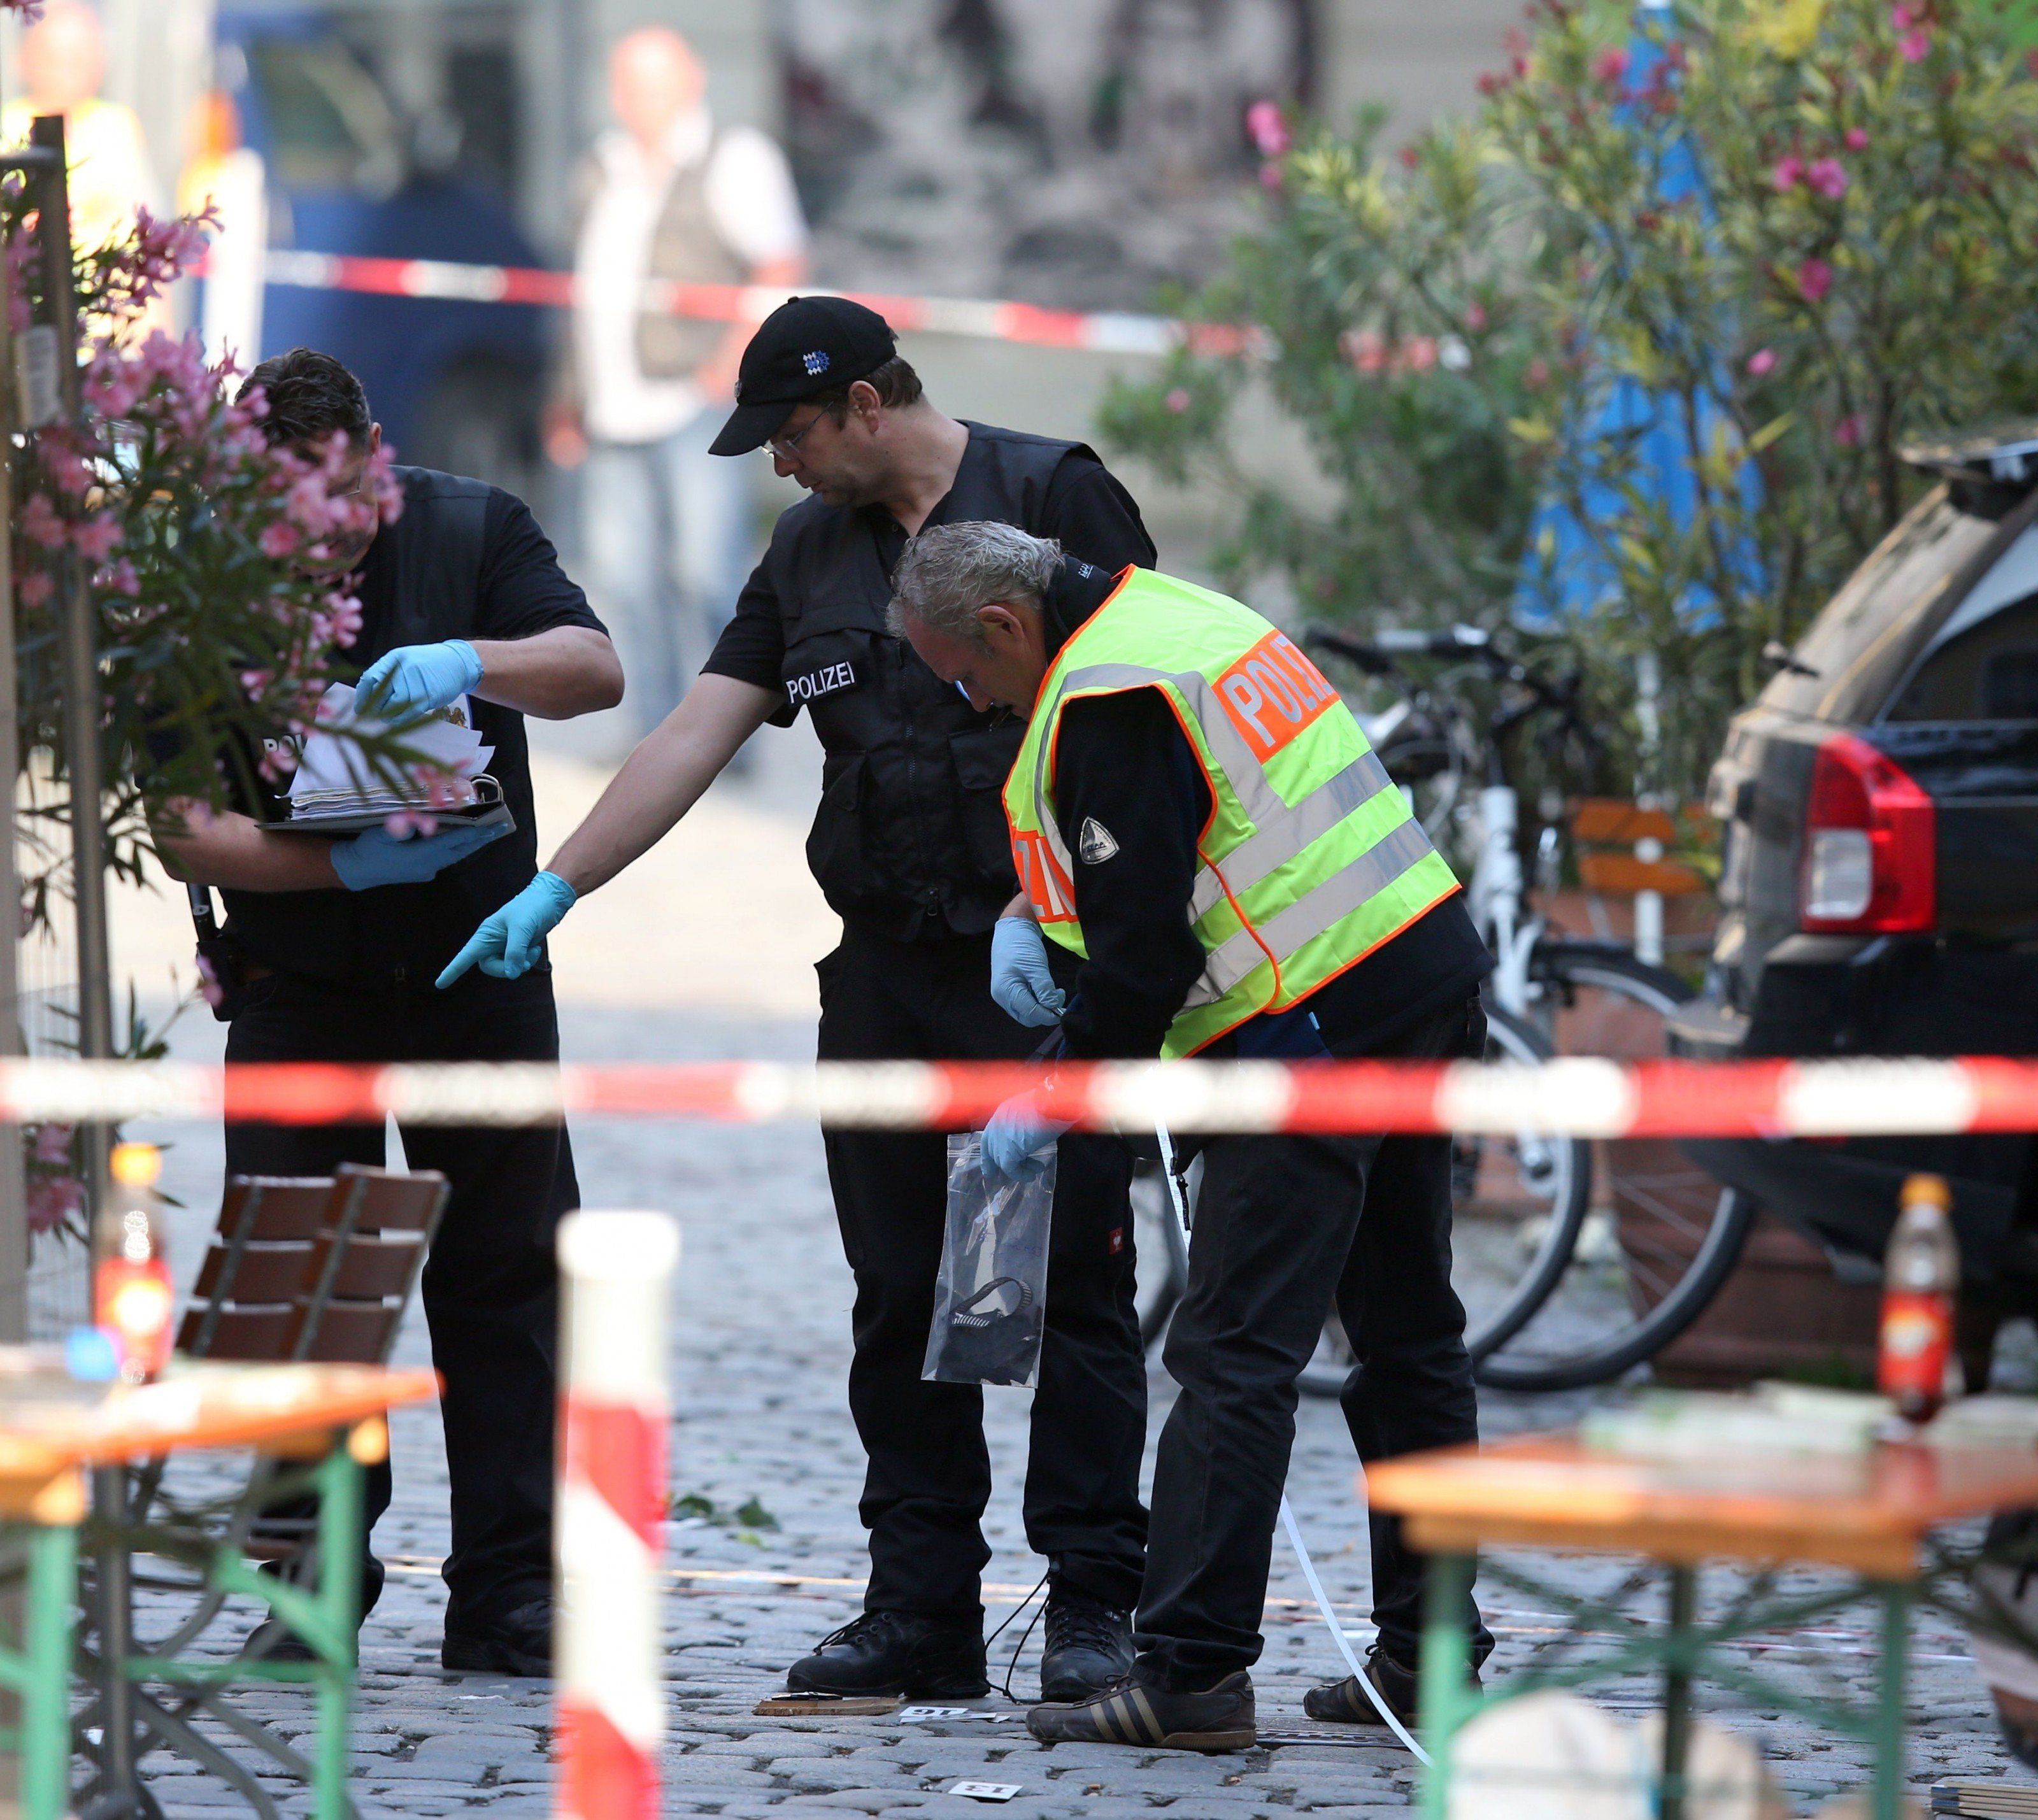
x,y
1076,153
1079,153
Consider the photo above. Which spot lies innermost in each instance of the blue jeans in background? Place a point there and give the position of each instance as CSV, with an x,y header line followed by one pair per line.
x,y
669,540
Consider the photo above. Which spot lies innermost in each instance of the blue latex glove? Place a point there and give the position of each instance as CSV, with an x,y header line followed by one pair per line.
x,y
379,857
1021,984
507,943
1018,1141
415,679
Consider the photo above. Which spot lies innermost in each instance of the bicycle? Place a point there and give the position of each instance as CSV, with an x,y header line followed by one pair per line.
x,y
1547,1294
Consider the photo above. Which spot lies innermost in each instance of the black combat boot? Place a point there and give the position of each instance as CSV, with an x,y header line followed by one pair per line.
x,y
896,1652
1088,1646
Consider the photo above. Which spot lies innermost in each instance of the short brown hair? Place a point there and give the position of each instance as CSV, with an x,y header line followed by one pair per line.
x,y
309,395
896,384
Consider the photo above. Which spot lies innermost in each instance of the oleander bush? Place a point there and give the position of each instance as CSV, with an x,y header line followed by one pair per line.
x,y
1629,355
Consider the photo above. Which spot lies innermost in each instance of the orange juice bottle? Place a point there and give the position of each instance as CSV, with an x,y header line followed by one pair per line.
x,y
132,1298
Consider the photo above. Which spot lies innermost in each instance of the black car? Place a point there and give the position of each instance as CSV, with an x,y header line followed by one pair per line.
x,y
1879,895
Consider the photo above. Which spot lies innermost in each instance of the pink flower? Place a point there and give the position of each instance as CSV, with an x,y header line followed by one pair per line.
x,y
1271,175
52,1144
1762,362
311,504
1828,176
1269,128
121,579
1418,353
97,537
52,1202
1900,18
1610,65
280,540
1857,138
1364,349
1814,278
1914,46
1789,172
67,467
1178,399
35,589
39,520
1846,432
1475,316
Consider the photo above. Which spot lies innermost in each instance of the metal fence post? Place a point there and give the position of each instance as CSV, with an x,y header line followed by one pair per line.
x,y
78,643
617,1269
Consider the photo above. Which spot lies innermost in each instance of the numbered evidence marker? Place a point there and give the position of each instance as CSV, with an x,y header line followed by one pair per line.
x,y
921,1714
985,1791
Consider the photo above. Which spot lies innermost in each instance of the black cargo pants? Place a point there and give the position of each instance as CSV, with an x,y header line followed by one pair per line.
x,y
1278,1219
491,1286
930,1472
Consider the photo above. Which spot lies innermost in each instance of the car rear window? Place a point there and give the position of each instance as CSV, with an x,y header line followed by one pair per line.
x,y
1981,662
1850,661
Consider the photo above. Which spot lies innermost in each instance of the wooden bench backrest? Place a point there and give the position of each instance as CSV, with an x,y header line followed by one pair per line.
x,y
1613,822
312,1268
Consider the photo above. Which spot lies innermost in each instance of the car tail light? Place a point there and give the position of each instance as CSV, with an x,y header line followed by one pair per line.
x,y
1871,858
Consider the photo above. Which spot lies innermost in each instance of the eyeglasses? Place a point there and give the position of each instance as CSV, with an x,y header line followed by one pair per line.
x,y
787,447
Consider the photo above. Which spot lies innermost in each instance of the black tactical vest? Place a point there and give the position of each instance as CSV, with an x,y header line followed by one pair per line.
x,y
910,839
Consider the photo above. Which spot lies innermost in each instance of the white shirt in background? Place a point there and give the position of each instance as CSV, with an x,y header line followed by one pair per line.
x,y
750,194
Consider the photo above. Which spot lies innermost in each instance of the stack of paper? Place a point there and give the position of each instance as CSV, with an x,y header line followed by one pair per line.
x,y
1773,1419
1986,1421
336,777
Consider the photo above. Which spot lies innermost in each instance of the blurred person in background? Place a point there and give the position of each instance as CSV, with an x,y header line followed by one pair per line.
x,y
909,846
230,178
328,955
63,64
671,196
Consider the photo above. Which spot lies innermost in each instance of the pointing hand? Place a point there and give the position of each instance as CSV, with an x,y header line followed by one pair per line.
x,y
508,943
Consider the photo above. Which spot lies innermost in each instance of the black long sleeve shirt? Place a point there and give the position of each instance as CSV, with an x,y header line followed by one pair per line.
x,y
1128,793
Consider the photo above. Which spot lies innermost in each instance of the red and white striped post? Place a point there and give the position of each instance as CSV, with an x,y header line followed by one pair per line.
x,y
618,1270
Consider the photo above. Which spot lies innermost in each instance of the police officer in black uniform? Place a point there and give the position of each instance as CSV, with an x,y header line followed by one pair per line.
x,y
910,847
330,950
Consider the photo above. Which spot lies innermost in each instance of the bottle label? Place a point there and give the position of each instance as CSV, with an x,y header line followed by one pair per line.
x,y
1917,1340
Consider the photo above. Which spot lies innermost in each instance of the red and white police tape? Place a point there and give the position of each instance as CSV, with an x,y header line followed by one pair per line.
x,y
617,1269
987,318
1586,1097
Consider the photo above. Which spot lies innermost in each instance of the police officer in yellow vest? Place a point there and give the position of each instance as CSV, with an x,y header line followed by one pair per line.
x,y
1220,867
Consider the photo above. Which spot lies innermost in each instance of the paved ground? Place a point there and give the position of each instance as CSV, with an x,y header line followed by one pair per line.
x,y
760,1347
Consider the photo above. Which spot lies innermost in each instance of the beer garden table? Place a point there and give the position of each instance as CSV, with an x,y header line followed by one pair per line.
x,y
1867,1513
56,1436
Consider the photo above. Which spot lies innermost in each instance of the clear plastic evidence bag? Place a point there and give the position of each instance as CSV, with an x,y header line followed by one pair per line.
x,y
989,1300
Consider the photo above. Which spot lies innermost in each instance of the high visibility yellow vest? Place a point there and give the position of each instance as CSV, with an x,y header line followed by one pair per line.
x,y
1310,859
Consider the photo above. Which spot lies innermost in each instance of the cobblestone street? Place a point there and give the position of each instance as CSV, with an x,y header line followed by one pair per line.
x,y
760,1350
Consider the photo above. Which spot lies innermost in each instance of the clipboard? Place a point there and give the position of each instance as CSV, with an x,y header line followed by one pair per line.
x,y
487,810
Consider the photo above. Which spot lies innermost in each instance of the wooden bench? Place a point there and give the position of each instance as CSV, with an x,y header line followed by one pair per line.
x,y
313,1269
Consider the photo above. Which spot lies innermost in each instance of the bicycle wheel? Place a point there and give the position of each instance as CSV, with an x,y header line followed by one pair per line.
x,y
1518,1203
1661,1235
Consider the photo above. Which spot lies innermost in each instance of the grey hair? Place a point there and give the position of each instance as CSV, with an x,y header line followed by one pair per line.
x,y
950,571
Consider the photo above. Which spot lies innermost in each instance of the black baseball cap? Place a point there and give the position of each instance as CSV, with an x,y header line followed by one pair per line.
x,y
804,347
